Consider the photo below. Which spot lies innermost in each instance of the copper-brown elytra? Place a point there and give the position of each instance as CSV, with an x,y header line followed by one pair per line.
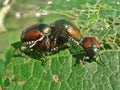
x,y
91,47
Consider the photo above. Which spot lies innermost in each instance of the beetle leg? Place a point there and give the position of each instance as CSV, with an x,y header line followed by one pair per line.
x,y
75,48
33,44
47,42
73,40
54,42
54,38
40,38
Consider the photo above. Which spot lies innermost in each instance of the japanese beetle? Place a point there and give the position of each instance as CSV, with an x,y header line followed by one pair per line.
x,y
35,33
51,36
91,47
64,31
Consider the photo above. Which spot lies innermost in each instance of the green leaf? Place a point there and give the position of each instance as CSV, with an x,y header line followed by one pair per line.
x,y
9,55
27,73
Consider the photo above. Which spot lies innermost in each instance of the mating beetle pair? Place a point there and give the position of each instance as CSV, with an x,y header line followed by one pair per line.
x,y
50,37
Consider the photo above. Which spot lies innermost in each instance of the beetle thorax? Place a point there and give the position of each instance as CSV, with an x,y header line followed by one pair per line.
x,y
47,31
